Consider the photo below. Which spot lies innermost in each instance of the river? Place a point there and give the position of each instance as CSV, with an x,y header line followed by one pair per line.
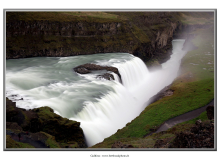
x,y
102,106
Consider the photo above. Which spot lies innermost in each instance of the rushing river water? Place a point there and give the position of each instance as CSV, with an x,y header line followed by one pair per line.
x,y
100,105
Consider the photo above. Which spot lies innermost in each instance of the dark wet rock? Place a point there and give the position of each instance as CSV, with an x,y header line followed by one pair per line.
x,y
11,143
159,143
162,143
210,112
88,67
37,140
198,122
13,126
82,70
107,76
14,114
201,135
119,144
44,120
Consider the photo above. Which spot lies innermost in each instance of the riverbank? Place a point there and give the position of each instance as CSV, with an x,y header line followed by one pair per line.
x,y
182,118
40,128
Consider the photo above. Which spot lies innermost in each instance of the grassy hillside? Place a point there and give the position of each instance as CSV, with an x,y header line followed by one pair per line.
x,y
62,16
193,89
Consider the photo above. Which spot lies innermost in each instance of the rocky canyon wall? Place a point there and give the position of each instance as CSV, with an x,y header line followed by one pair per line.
x,y
33,38
147,35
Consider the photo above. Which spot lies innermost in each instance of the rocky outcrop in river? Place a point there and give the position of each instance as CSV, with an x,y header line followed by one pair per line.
x,y
88,67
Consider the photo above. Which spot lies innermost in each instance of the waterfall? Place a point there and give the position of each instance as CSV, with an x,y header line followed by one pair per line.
x,y
114,110
101,106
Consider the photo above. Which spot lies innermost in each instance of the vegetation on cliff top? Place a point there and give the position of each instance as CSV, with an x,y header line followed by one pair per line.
x,y
101,17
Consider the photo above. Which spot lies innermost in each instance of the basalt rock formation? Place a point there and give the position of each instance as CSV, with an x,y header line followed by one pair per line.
x,y
201,135
143,34
43,122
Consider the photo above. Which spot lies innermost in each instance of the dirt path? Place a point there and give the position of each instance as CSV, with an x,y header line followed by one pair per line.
x,y
182,118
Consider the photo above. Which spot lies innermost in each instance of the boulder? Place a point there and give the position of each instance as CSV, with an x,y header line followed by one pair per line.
x,y
63,129
201,135
82,70
88,67
210,112
159,143
119,144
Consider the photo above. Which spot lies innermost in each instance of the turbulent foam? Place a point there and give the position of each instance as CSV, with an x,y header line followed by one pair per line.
x,y
100,105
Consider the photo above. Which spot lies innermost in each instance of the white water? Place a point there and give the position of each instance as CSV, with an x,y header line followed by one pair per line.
x,y
100,105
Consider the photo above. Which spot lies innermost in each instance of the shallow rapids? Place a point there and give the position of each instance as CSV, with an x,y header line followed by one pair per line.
x,y
100,105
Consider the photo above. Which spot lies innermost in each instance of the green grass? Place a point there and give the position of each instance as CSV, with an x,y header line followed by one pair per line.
x,y
149,141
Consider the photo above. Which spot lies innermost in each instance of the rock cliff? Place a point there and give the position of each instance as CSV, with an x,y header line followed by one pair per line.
x,y
42,124
146,35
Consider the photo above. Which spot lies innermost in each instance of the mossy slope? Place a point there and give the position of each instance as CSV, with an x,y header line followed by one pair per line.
x,y
43,124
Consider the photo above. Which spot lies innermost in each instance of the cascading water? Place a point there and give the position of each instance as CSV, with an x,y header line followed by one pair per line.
x,y
100,105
